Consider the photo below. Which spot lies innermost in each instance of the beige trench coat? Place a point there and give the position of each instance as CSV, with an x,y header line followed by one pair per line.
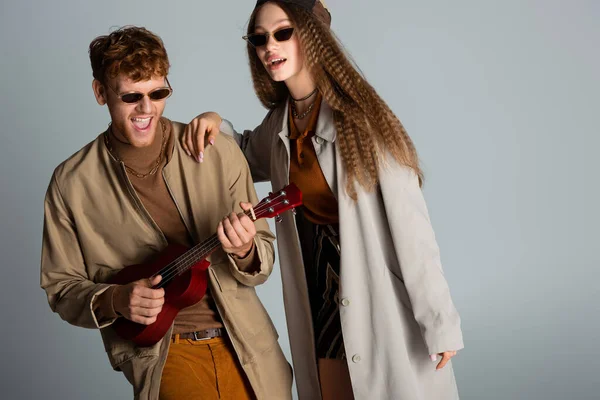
x,y
95,224
396,307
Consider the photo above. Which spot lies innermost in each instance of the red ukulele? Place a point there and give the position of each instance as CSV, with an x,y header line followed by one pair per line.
x,y
184,272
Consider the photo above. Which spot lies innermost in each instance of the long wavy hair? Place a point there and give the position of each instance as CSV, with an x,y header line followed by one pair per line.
x,y
366,127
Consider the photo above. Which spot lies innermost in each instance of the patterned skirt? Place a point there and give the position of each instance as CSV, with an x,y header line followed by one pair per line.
x,y
321,253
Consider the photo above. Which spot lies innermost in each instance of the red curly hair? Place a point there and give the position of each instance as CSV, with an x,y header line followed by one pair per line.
x,y
132,51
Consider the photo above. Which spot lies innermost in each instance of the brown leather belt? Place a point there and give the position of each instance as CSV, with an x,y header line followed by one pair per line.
x,y
203,335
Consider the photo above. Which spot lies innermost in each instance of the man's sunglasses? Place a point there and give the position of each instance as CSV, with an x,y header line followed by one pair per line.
x,y
261,39
155,95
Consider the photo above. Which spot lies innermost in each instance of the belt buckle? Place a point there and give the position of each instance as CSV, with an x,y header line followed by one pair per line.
x,y
196,338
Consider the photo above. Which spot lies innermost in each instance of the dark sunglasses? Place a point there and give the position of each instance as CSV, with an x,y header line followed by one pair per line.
x,y
155,95
261,39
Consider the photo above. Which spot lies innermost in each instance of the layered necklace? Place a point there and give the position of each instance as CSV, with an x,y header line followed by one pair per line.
x,y
131,170
308,109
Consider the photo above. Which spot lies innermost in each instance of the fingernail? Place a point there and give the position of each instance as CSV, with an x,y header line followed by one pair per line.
x,y
201,155
211,141
188,153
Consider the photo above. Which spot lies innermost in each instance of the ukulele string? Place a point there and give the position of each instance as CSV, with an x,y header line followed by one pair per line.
x,y
207,245
182,264
179,265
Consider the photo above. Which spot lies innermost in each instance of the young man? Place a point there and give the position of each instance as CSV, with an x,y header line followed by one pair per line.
x,y
123,198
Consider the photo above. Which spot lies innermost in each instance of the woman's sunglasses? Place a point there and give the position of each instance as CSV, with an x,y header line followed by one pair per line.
x,y
261,39
155,95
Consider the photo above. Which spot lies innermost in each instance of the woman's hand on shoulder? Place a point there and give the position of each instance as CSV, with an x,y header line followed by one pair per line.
x,y
201,130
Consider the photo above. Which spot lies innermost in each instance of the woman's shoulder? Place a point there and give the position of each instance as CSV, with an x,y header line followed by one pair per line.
x,y
274,118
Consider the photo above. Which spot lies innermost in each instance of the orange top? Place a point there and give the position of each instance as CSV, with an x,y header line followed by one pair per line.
x,y
320,205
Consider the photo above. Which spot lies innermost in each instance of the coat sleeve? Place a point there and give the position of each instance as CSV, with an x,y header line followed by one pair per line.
x,y
68,287
256,145
419,259
242,189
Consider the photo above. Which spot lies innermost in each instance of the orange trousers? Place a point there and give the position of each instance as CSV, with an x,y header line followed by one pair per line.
x,y
203,370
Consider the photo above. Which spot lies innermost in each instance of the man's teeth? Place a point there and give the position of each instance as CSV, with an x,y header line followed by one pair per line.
x,y
141,123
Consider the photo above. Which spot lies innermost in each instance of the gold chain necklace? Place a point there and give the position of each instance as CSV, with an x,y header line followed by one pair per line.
x,y
131,170
305,113
308,109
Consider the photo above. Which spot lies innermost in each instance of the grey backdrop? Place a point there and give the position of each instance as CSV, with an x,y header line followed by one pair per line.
x,y
500,97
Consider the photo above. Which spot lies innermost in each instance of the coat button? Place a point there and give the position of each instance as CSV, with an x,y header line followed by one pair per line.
x,y
356,358
319,140
345,302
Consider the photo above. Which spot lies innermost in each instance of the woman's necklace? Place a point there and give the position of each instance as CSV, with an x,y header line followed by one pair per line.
x,y
308,109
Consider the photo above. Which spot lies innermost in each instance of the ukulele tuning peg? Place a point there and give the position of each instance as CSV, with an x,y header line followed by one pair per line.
x,y
278,218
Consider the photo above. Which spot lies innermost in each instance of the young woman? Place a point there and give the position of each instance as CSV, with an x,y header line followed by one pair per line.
x,y
368,308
